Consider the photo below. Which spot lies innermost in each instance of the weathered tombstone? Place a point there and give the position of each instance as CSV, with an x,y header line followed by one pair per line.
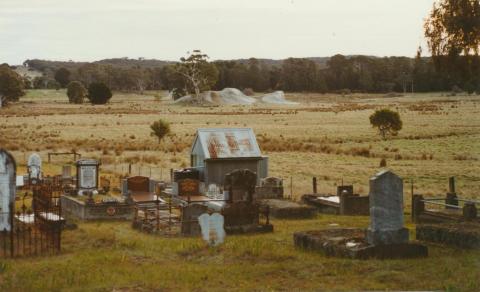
x,y
212,228
66,171
240,185
7,188
188,187
386,210
190,216
270,188
138,184
34,166
347,189
87,174
214,192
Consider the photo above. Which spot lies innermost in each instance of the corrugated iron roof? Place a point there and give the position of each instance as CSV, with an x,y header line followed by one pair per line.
x,y
228,143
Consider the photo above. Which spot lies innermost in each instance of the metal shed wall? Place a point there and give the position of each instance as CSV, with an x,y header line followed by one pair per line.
x,y
215,170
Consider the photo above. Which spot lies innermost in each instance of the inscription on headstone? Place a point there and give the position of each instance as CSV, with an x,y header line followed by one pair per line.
x,y
188,187
7,188
386,210
87,174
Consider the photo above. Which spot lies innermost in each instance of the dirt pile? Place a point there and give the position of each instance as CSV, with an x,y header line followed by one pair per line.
x,y
233,96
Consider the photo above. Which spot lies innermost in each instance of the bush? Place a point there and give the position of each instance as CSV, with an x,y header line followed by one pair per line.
x,y
99,93
62,76
11,85
386,121
76,92
160,129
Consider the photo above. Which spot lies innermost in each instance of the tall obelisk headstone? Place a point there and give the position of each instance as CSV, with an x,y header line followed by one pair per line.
x,y
7,188
386,210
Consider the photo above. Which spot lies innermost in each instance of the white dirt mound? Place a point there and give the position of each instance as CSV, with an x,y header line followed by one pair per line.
x,y
234,96
277,97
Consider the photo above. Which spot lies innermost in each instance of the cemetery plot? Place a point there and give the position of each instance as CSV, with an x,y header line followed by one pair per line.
x,y
346,202
37,231
450,208
386,237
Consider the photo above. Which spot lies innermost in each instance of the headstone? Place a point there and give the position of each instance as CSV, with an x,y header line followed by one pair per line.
x,y
138,184
66,171
190,216
7,188
240,185
270,188
271,182
386,210
214,192
188,187
87,174
212,228
347,189
34,166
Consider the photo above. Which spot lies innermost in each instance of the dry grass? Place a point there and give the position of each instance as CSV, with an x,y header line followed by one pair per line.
x,y
328,136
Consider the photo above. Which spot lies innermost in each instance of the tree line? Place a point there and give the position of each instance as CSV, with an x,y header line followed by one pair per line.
x,y
338,74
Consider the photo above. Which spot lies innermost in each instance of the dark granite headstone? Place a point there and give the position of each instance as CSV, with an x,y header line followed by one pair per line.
x,y
241,185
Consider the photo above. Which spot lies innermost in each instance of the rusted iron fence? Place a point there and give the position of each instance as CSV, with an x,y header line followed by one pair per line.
x,y
33,230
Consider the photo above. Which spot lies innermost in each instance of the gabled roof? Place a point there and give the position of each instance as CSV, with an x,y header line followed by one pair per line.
x,y
227,143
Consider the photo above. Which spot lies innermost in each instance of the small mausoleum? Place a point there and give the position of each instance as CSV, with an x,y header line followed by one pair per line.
x,y
218,151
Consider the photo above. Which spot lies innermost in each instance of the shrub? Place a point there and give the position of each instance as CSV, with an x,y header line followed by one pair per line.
x,y
99,93
386,121
160,129
11,85
383,162
62,76
76,92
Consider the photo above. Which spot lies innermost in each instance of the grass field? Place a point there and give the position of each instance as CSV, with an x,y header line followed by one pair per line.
x,y
327,136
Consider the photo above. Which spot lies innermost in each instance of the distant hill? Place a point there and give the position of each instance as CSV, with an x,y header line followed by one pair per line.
x,y
48,67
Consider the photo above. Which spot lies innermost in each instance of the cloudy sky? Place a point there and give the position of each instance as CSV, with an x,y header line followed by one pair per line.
x,y
87,30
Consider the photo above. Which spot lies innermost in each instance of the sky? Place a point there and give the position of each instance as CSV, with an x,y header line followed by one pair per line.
x,y
89,30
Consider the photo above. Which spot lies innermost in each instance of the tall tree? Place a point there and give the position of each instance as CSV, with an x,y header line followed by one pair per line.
x,y
453,36
199,74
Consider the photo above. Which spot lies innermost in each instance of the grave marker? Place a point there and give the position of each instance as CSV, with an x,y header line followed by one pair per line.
x,y
7,188
212,228
87,174
386,210
34,166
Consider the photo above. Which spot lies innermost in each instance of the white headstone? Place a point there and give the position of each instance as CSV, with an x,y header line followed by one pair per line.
x,y
35,166
7,188
87,174
66,171
212,228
